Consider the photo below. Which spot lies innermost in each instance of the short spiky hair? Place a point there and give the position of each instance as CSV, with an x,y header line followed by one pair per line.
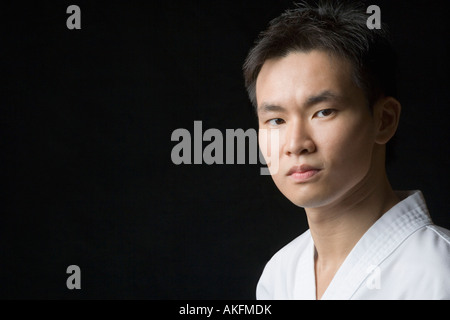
x,y
336,27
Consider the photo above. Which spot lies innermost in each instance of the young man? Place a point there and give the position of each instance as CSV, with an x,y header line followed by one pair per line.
x,y
324,82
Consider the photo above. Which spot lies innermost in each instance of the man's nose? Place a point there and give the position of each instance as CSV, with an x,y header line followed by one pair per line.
x,y
298,139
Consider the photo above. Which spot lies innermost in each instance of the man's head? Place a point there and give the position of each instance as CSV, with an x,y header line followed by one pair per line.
x,y
321,88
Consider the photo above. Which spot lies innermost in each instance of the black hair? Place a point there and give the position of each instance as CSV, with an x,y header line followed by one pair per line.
x,y
336,27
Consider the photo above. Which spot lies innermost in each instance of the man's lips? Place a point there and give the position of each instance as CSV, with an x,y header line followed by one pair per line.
x,y
302,173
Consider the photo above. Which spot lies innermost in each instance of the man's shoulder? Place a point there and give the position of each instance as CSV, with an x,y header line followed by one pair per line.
x,y
427,248
419,268
294,249
431,239
280,272
442,234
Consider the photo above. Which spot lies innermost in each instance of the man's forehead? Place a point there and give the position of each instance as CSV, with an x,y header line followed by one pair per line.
x,y
322,57
312,77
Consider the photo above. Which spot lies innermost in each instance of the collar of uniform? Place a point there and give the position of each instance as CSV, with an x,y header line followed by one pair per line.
x,y
394,227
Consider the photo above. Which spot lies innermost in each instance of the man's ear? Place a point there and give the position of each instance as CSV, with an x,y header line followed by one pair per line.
x,y
387,115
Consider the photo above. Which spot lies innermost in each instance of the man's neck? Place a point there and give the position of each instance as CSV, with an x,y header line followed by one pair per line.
x,y
337,227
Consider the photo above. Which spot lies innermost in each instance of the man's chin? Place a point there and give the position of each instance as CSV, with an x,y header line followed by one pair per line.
x,y
309,200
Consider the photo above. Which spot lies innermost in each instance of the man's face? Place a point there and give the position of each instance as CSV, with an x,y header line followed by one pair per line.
x,y
326,130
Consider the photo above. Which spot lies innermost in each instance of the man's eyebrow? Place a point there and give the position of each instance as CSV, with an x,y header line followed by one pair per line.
x,y
323,96
267,107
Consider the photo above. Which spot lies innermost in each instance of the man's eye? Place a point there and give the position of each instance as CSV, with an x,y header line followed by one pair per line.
x,y
275,122
324,113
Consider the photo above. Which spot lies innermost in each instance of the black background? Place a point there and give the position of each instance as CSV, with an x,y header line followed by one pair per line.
x,y
86,122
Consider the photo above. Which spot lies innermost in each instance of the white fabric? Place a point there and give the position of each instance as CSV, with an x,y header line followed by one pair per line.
x,y
402,256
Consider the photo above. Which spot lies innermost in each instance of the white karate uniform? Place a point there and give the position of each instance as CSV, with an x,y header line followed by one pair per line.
x,y
402,256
